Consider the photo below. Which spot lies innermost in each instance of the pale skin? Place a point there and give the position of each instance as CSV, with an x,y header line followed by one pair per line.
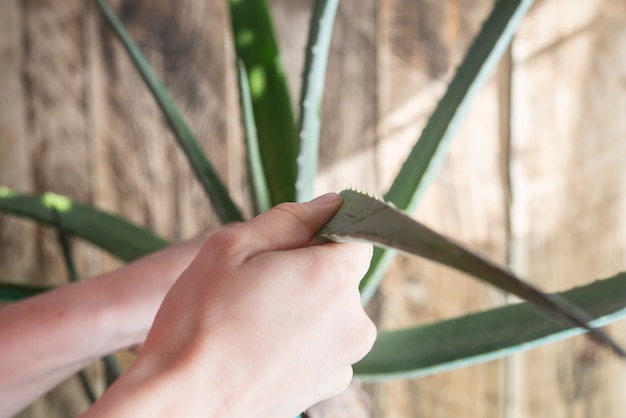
x,y
255,320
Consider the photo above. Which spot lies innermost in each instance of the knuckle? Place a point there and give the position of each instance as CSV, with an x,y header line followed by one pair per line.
x,y
291,209
347,377
370,333
365,336
355,259
224,243
344,379
361,256
292,212
286,206
338,381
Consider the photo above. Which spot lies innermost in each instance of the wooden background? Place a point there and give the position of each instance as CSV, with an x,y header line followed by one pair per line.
x,y
535,178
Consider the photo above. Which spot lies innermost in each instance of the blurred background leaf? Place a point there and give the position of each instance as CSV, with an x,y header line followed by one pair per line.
x,y
112,233
256,46
459,342
428,154
208,177
313,84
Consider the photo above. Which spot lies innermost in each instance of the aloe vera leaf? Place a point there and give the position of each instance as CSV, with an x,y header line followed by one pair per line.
x,y
261,193
112,369
362,217
459,342
66,249
215,189
256,46
113,234
313,78
12,292
89,392
427,156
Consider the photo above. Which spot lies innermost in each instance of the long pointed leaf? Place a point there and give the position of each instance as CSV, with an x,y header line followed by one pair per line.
x,y
362,217
262,198
112,369
112,233
314,75
480,337
256,46
428,153
66,249
90,393
226,210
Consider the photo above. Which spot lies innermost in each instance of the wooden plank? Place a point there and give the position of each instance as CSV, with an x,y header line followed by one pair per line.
x,y
75,117
291,25
15,253
349,110
420,44
143,173
46,111
568,131
349,113
78,120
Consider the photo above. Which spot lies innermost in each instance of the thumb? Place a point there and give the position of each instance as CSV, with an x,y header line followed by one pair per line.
x,y
291,225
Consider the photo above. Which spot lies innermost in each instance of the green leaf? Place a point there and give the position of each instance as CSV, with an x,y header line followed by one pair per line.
x,y
226,210
262,199
12,292
480,337
256,46
112,233
481,59
365,218
428,154
313,78
90,393
66,249
112,369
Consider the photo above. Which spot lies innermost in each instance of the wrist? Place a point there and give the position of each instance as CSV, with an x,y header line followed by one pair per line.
x,y
148,389
140,287
133,293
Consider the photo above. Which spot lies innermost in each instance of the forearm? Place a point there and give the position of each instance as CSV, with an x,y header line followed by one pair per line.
x,y
18,395
45,339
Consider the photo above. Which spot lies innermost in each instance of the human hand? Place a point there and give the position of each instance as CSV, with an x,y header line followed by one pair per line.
x,y
263,323
81,322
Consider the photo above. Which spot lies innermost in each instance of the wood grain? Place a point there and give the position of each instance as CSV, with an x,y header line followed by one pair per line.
x,y
421,43
568,131
88,127
534,177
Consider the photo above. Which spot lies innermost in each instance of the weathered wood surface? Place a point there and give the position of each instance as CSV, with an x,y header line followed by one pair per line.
x,y
421,43
534,178
568,144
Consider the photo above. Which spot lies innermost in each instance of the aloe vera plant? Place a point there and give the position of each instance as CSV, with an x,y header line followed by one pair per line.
x,y
282,154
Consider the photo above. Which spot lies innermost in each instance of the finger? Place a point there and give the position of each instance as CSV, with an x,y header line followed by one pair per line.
x,y
290,225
